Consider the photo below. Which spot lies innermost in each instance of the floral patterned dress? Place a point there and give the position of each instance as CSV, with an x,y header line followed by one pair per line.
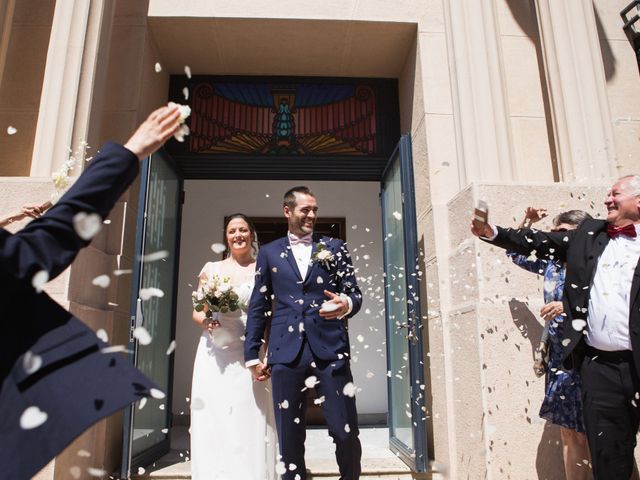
x,y
562,404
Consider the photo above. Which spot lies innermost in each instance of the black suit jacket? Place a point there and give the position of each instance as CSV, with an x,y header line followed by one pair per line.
x,y
580,249
76,384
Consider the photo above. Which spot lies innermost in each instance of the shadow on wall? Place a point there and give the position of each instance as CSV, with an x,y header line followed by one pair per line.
x,y
527,323
524,12
549,464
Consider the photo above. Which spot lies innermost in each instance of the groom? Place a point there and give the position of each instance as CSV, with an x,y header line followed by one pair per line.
x,y
305,290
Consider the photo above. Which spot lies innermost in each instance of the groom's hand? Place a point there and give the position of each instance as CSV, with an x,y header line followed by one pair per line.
x,y
341,304
260,372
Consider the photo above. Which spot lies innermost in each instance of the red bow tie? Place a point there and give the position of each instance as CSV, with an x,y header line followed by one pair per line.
x,y
628,230
303,240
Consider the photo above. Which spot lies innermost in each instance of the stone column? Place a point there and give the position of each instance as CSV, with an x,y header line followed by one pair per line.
x,y
73,76
479,92
577,88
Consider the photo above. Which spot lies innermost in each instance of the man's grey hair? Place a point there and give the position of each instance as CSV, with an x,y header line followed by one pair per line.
x,y
633,185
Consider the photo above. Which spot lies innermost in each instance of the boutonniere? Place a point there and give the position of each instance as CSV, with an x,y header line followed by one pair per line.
x,y
322,255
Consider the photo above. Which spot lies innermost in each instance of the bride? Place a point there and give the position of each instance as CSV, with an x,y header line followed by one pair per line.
x,y
232,427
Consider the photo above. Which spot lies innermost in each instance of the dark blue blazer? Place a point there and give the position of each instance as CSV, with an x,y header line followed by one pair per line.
x,y
295,302
76,384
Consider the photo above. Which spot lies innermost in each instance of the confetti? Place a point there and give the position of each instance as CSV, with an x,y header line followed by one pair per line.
x,y
102,281
150,292
155,256
87,225
349,390
578,325
285,404
172,347
96,472
117,273
218,248
31,362
311,381
158,394
397,215
142,335
185,93
187,71
281,468
32,418
11,130
102,335
158,67
39,280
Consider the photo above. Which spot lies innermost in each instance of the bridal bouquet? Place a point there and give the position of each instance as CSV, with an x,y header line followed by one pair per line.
x,y
217,295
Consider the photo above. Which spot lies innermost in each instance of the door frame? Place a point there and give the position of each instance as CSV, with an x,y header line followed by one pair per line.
x,y
150,455
416,459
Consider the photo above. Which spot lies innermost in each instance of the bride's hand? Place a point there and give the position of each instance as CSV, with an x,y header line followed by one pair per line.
x,y
210,324
260,372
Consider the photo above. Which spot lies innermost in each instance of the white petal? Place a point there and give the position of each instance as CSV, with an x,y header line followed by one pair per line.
x,y
142,335
39,280
117,273
32,418
96,472
347,428
397,215
360,338
187,71
11,130
152,257
311,381
578,325
349,390
147,293
102,335
87,225
281,469
158,67
31,362
155,393
218,248
185,92
102,281
285,404
172,347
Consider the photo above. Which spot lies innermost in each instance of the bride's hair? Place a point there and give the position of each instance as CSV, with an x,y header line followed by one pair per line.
x,y
252,229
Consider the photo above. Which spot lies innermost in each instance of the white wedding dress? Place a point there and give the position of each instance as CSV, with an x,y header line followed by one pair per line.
x,y
232,427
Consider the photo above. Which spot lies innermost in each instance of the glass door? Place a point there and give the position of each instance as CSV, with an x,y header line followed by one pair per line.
x,y
407,428
153,308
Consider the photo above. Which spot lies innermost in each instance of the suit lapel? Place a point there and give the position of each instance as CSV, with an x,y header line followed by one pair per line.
x,y
286,248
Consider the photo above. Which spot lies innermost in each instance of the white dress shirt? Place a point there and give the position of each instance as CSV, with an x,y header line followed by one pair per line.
x,y
302,254
609,302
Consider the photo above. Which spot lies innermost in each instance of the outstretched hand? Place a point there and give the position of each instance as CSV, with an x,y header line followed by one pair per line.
x,y
531,216
481,229
154,131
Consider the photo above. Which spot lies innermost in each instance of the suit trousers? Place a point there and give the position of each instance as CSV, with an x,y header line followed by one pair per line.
x,y
610,387
289,394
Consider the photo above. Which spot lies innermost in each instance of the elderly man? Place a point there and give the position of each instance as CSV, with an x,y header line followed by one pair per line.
x,y
602,305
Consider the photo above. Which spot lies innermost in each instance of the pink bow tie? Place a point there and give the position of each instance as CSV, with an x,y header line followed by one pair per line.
x,y
303,240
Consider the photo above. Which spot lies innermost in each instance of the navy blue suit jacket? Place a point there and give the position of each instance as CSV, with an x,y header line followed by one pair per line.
x,y
296,301
76,384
